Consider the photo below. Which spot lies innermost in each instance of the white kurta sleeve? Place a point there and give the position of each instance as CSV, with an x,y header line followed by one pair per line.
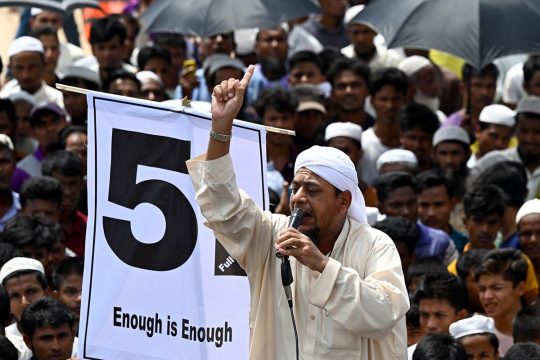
x,y
368,305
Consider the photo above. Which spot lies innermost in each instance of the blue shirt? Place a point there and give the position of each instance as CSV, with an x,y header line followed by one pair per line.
x,y
432,242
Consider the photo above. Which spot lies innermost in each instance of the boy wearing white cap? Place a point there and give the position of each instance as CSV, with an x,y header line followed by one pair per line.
x,y
477,335
27,63
528,225
25,282
494,131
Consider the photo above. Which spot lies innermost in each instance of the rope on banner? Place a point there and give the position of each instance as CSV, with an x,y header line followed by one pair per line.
x,y
185,103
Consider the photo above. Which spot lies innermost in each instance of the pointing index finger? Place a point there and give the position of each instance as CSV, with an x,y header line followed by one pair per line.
x,y
247,76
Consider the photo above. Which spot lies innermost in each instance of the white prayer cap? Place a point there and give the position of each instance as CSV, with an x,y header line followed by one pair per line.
x,y
346,129
20,264
35,11
352,12
148,75
529,104
530,207
396,156
336,167
25,43
477,324
22,96
498,115
81,72
412,64
451,133
4,139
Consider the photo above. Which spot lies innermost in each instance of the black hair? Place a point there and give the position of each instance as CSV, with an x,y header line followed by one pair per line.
x,y
530,67
422,266
79,82
523,351
391,181
72,129
507,262
34,230
8,252
62,162
526,325
432,178
45,312
5,313
468,72
412,317
131,20
483,201
280,99
8,351
121,74
305,56
418,116
328,56
68,266
345,64
7,106
400,230
443,286
492,338
439,347
510,177
164,39
105,29
389,76
40,277
42,188
469,261
44,30
152,52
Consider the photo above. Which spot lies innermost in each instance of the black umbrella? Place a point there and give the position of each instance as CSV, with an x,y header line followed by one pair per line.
x,y
476,30
210,17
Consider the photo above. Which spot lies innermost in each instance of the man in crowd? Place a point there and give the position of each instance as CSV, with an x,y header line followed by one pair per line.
x,y
9,200
75,103
310,115
328,26
329,242
528,226
27,64
477,334
397,195
388,90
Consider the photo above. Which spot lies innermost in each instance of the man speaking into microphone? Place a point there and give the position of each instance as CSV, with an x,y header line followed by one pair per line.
x,y
348,294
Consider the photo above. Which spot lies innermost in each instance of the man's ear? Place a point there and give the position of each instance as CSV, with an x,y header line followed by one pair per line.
x,y
27,341
54,294
345,200
462,314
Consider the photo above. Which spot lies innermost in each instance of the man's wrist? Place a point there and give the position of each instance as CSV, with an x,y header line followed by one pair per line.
x,y
223,137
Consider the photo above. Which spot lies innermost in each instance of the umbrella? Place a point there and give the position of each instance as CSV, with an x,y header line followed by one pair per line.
x,y
210,17
61,6
476,30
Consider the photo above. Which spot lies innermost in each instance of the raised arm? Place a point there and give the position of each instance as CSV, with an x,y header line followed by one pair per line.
x,y
227,99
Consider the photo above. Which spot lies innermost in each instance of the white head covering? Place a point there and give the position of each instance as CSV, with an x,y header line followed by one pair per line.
x,y
336,167
148,75
20,264
396,156
498,115
477,324
346,129
412,64
25,43
530,207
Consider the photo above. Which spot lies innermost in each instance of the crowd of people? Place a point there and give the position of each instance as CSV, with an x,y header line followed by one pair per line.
x,y
447,163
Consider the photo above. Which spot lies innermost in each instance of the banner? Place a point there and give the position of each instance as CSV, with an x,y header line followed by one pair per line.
x,y
157,285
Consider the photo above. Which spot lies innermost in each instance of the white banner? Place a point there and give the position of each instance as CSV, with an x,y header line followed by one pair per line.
x,y
157,285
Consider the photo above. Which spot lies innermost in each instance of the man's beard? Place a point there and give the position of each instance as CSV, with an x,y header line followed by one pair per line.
x,y
313,234
432,102
528,158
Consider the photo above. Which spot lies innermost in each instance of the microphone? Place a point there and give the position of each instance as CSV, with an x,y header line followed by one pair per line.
x,y
286,274
295,220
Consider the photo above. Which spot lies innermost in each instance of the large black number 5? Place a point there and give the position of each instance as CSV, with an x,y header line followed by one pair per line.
x,y
130,149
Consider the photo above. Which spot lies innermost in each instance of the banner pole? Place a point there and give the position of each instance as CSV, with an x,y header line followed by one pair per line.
x,y
185,103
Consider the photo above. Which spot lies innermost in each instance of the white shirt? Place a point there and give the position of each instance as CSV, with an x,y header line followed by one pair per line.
x,y
372,148
383,57
354,309
45,93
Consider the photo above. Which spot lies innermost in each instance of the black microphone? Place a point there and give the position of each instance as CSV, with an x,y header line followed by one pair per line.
x,y
286,274
295,220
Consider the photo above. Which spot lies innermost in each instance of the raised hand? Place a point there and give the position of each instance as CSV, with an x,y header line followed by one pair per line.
x,y
227,99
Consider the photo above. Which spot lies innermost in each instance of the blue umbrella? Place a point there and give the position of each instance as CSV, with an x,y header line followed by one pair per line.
x,y
211,17
476,30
